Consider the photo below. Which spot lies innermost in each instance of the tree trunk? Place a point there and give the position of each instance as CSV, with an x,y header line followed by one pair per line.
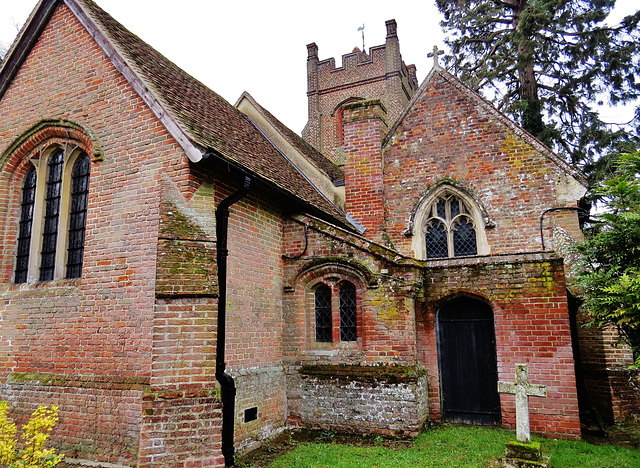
x,y
531,112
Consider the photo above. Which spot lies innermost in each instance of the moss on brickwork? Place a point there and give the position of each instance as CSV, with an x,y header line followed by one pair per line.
x,y
34,378
78,381
545,277
386,305
186,256
389,374
186,268
177,225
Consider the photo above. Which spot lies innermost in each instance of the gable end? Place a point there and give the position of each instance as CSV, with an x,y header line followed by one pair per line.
x,y
491,110
22,46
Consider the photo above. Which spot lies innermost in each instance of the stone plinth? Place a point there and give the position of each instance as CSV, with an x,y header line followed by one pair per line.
x,y
519,455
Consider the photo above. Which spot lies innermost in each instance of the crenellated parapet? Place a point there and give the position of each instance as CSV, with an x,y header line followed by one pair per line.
x,y
379,74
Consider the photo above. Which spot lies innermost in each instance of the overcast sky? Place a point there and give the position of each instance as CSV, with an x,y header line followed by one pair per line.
x,y
260,46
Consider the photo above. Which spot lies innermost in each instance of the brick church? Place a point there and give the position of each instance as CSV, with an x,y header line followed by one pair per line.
x,y
184,277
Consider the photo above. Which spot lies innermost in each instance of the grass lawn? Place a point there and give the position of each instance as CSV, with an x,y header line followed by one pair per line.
x,y
444,446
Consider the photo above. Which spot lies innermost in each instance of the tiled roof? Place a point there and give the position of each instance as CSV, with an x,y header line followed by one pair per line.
x,y
332,171
208,119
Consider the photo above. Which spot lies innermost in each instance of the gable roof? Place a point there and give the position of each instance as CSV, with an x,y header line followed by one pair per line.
x,y
319,160
321,173
438,71
201,121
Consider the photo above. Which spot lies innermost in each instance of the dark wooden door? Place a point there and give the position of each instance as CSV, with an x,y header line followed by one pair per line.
x,y
467,359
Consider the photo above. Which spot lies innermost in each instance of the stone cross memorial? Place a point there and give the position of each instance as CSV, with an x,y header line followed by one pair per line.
x,y
523,390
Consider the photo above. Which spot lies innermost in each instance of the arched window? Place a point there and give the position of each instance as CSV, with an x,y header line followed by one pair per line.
x,y
53,216
449,230
449,224
336,314
78,215
338,112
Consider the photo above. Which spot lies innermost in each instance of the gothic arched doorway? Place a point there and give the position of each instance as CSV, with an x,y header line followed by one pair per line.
x,y
468,364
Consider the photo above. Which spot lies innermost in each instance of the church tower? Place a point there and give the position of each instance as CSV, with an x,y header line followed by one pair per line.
x,y
381,75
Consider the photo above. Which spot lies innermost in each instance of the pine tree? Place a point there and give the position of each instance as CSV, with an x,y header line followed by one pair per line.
x,y
548,64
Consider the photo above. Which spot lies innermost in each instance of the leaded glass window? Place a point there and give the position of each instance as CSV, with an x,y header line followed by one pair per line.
x,y
78,215
348,313
26,223
322,297
464,238
55,210
449,230
52,213
436,239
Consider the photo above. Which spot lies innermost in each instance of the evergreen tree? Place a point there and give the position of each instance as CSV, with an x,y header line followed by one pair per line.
x,y
609,270
548,64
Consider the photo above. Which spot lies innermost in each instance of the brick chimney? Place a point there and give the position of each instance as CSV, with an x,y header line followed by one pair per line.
x,y
364,127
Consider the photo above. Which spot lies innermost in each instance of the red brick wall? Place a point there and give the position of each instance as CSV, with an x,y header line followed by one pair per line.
x,y
254,313
611,386
98,416
181,429
384,292
529,302
448,135
98,328
385,338
364,128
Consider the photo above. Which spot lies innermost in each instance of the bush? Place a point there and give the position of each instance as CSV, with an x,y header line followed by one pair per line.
x,y
34,437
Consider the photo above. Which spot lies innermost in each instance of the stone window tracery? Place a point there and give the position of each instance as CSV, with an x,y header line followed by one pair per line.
x,y
449,230
449,224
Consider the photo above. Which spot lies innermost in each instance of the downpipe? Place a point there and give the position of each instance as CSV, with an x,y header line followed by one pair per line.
x,y
227,385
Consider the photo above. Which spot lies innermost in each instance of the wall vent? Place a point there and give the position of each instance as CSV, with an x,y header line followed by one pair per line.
x,y
251,414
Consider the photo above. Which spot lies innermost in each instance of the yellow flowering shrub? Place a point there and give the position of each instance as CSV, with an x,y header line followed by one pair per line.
x,y
34,437
7,436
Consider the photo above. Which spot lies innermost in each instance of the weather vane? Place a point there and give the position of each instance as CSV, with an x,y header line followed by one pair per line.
x,y
362,29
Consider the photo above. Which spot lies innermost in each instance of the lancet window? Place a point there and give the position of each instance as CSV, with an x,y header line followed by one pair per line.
x,y
51,229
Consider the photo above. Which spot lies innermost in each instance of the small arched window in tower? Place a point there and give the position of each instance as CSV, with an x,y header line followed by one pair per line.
x,y
449,230
348,312
338,114
339,128
322,299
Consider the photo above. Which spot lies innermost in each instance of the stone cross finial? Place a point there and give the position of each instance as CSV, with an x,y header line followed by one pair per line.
x,y
435,54
523,390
